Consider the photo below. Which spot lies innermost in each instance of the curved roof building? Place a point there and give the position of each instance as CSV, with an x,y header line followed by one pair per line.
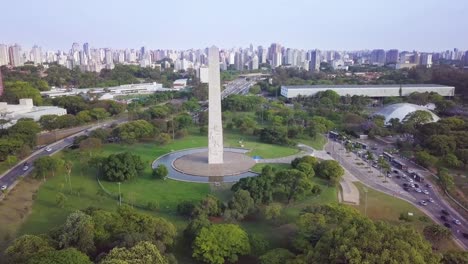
x,y
401,110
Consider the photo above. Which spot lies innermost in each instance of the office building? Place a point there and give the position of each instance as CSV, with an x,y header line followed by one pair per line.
x,y
392,56
254,63
4,58
314,60
426,59
377,57
14,53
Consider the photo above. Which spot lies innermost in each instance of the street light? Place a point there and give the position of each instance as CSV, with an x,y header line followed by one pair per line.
x,y
120,196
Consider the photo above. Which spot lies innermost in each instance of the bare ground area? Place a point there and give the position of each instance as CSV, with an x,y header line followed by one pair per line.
x,y
14,210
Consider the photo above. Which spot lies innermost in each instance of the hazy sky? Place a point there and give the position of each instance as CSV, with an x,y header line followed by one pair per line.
x,y
426,25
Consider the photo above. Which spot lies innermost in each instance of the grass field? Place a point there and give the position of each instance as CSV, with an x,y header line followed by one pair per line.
x,y
384,207
317,143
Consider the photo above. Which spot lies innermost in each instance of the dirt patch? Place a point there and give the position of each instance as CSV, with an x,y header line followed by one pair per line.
x,y
15,209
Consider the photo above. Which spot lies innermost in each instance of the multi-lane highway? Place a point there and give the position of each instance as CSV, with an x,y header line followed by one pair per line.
x,y
238,86
395,187
8,178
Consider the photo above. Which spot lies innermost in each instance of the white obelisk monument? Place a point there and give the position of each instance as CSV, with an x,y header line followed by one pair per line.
x,y
215,126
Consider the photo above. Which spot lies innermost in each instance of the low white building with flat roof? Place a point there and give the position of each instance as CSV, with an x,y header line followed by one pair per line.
x,y
291,91
26,109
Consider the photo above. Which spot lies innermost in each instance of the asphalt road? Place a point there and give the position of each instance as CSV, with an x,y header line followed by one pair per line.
x,y
9,178
395,188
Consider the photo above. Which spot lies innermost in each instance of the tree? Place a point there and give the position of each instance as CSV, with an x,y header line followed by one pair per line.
x,y
48,122
20,90
220,243
90,144
46,165
260,187
293,183
142,253
83,117
306,168
445,179
120,167
455,257
209,206
240,205
418,118
452,161
160,172
132,131
60,199
11,160
330,170
8,147
98,113
195,226
26,131
24,247
425,159
305,159
69,256
73,104
436,233
441,145
78,232
384,166
272,211
276,256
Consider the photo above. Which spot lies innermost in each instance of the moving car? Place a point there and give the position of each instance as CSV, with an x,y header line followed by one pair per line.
x,y
456,221
465,235
25,168
430,200
443,217
425,191
416,185
417,190
4,187
444,212
48,149
447,225
423,202
406,189
429,185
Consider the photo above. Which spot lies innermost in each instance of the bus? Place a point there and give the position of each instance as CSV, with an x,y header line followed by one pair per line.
x,y
361,145
388,156
398,164
333,135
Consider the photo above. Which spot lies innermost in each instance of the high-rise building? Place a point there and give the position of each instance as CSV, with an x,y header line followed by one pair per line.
x,y
1,83
314,60
108,57
4,58
75,47
254,63
36,55
275,56
426,59
392,56
377,57
465,58
14,53
239,61
86,50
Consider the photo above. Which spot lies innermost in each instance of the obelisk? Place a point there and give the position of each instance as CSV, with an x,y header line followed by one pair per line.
x,y
215,126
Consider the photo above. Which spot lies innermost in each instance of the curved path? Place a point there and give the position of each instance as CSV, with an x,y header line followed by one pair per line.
x,y
174,174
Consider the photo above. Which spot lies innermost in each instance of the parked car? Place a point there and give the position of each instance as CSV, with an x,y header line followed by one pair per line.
x,y
447,225
444,212
456,221
395,171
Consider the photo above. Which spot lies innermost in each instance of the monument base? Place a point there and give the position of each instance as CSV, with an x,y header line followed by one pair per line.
x,y
197,164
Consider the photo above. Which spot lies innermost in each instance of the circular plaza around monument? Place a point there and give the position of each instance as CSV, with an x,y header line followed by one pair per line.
x,y
192,165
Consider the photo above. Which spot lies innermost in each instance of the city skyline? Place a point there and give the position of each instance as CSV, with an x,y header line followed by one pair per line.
x,y
420,25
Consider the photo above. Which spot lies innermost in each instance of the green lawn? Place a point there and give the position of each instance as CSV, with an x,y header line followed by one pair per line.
x,y
266,151
279,166
317,143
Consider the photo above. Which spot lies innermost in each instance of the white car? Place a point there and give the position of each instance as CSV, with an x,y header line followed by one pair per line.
x,y
430,200
423,202
425,191
48,149
456,222
25,168
412,185
417,190
410,180
4,187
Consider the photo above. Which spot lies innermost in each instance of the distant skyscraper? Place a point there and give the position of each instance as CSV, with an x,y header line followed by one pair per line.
x,y
254,63
36,55
1,83
314,60
426,59
239,61
392,56
377,57
465,59
4,58
108,57
274,55
86,50
75,47
14,53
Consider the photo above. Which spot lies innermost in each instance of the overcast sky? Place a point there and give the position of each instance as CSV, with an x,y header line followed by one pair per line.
x,y
425,25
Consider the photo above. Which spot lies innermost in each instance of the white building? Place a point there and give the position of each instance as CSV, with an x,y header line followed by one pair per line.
x,y
180,83
141,88
367,90
26,109
400,111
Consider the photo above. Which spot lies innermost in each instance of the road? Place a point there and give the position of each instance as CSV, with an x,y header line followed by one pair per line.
x,y
238,86
11,176
394,186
